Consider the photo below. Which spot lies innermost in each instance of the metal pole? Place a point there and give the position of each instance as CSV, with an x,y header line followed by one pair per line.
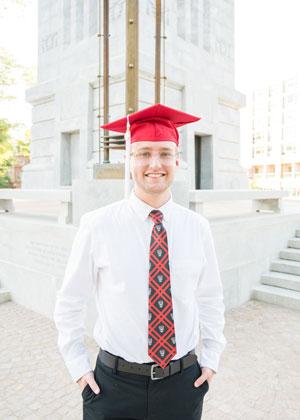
x,y
157,50
132,81
164,51
106,73
99,80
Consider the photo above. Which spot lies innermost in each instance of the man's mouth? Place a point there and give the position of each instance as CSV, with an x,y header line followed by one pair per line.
x,y
155,175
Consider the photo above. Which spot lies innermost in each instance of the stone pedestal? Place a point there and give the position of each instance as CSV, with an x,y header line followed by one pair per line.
x,y
109,171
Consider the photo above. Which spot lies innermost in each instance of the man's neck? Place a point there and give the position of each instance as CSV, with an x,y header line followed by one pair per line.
x,y
154,200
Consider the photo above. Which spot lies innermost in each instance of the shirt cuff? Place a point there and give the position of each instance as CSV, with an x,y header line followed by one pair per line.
x,y
78,367
210,359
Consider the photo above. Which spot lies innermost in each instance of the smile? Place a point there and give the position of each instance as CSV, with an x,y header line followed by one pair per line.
x,y
154,175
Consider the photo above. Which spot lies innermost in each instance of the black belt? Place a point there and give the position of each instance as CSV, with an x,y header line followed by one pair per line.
x,y
152,370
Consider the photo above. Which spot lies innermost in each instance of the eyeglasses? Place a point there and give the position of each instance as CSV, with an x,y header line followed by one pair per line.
x,y
144,157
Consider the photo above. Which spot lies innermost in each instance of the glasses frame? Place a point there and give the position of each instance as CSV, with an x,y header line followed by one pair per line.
x,y
168,160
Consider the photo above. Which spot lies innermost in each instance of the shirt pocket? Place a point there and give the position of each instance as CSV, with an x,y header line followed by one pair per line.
x,y
185,274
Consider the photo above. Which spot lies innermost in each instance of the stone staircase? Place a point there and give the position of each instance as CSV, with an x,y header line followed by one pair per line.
x,y
281,285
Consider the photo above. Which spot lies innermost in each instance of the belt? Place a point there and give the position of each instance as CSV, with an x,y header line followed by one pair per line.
x,y
152,370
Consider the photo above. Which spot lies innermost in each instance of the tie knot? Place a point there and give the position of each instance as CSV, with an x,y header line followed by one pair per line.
x,y
156,216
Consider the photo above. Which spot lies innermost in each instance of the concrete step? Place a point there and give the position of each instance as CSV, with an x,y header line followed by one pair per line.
x,y
298,233
290,254
285,266
278,296
284,280
4,295
294,243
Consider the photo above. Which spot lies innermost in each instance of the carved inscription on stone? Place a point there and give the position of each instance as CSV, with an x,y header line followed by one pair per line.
x,y
49,13
48,42
48,255
223,48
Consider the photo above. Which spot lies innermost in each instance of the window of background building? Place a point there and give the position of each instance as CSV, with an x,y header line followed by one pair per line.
x,y
291,98
286,169
258,170
289,134
290,148
259,152
270,170
258,137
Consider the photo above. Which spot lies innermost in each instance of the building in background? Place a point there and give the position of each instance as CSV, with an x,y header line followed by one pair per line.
x,y
197,62
15,172
275,134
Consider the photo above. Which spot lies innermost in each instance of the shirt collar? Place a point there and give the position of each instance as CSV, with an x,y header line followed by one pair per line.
x,y
142,209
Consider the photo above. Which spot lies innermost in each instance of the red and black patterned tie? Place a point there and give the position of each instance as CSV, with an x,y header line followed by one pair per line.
x,y
161,332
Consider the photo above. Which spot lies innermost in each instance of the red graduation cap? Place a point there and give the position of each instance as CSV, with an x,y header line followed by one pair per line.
x,y
155,123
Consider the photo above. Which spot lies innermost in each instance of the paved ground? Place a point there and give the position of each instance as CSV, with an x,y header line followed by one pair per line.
x,y
259,376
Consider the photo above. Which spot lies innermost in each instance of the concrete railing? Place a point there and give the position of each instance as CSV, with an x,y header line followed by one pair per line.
x,y
261,200
63,196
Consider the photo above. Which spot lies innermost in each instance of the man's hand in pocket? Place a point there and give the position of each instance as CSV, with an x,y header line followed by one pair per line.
x,y
207,375
88,378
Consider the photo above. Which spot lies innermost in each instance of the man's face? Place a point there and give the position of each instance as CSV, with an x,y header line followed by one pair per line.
x,y
153,165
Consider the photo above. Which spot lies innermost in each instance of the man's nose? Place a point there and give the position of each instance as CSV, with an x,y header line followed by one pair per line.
x,y
154,160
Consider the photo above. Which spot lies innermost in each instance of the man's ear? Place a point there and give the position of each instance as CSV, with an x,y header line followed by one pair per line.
x,y
177,155
131,166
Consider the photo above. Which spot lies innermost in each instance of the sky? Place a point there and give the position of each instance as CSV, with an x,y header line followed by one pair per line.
x,y
266,44
18,35
18,32
267,34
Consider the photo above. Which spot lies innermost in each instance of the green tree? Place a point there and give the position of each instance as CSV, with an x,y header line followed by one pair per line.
x,y
11,73
23,145
6,154
7,76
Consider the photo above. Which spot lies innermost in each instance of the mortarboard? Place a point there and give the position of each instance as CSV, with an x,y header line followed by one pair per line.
x,y
155,123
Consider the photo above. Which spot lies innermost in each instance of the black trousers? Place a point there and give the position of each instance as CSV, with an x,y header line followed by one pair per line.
x,y
138,397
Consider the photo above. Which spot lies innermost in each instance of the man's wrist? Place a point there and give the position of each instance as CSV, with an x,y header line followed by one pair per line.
x,y
207,367
78,380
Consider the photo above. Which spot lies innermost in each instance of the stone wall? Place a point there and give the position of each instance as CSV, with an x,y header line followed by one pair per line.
x,y
33,255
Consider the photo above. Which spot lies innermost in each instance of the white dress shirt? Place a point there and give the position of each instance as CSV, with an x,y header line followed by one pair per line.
x,y
109,259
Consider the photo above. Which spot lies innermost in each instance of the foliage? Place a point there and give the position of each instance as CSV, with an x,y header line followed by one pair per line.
x,y
29,75
7,76
9,154
6,153
11,73
23,146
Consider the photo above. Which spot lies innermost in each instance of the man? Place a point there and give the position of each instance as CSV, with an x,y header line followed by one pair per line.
x,y
152,267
